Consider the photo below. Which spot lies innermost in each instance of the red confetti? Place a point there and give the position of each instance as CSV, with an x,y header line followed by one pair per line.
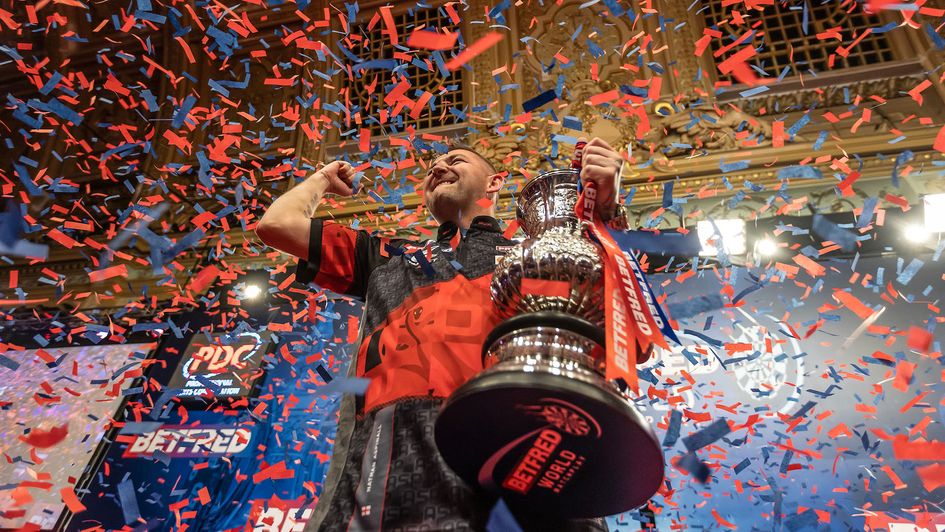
x,y
940,140
903,449
932,476
72,501
919,339
429,40
474,49
107,273
46,438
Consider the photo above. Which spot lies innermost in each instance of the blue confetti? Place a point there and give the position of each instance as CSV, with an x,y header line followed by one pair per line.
x,y
906,275
572,122
820,141
866,214
663,243
501,519
672,432
828,230
742,465
129,502
345,385
901,159
936,38
538,101
800,172
181,113
707,436
324,373
697,468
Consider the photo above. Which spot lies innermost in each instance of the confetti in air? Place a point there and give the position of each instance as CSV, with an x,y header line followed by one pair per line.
x,y
142,140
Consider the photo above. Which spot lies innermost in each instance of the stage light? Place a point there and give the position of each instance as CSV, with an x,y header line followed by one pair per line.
x,y
934,205
731,232
251,291
916,233
766,247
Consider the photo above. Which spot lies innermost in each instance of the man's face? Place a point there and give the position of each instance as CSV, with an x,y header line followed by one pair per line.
x,y
454,182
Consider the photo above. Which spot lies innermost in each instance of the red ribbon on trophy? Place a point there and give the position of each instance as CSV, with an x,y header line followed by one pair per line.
x,y
630,317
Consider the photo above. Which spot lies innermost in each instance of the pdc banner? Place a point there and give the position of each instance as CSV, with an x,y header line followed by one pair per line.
x,y
209,462
224,365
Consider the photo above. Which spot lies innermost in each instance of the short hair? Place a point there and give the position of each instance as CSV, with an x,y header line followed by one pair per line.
x,y
463,146
459,145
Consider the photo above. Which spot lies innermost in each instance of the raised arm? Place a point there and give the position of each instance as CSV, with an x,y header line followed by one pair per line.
x,y
286,224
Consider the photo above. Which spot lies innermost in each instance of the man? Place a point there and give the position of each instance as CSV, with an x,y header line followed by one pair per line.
x,y
427,312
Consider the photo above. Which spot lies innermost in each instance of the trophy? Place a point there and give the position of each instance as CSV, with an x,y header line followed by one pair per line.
x,y
541,426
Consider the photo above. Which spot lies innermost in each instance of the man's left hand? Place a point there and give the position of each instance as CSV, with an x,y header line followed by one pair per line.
x,y
601,165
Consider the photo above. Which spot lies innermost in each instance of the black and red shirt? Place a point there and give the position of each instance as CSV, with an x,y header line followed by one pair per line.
x,y
427,310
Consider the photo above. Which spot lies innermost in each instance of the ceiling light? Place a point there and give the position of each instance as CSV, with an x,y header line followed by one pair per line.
x,y
916,233
934,205
251,291
766,247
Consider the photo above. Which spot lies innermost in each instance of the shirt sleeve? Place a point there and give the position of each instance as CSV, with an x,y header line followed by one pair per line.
x,y
341,259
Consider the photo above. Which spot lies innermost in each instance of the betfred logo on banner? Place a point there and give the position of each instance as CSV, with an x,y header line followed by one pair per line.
x,y
274,515
223,365
189,442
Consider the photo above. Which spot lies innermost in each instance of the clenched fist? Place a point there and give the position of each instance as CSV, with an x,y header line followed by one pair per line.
x,y
340,177
601,165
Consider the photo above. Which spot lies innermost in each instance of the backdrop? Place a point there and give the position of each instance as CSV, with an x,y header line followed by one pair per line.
x,y
794,403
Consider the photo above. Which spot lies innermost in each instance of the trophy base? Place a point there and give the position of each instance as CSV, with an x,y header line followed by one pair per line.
x,y
550,435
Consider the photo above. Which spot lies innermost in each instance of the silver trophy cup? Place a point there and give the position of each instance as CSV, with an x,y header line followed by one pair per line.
x,y
540,425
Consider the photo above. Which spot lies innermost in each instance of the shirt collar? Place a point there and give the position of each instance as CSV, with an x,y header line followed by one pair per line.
x,y
481,223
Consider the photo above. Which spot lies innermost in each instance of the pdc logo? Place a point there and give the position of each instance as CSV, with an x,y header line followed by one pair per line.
x,y
215,359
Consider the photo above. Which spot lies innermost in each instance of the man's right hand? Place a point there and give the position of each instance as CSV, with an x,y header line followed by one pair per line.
x,y
340,177
286,224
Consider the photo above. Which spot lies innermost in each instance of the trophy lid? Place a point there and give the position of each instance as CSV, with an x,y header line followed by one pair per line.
x,y
548,200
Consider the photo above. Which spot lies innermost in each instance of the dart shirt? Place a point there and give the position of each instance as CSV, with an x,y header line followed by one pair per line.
x,y
427,311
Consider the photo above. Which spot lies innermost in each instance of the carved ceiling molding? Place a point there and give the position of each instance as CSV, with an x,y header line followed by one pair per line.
x,y
677,47
834,95
547,32
741,201
703,130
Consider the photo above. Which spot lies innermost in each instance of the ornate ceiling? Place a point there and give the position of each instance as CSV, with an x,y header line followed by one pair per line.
x,y
197,107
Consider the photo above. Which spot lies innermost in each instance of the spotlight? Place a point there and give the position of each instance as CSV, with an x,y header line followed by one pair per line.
x,y
251,291
916,233
934,205
731,232
766,247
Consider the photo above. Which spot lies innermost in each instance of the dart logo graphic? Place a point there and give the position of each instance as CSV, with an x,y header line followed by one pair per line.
x,y
768,371
564,416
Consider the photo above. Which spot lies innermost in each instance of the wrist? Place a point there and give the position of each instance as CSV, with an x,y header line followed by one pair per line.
x,y
608,212
318,180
